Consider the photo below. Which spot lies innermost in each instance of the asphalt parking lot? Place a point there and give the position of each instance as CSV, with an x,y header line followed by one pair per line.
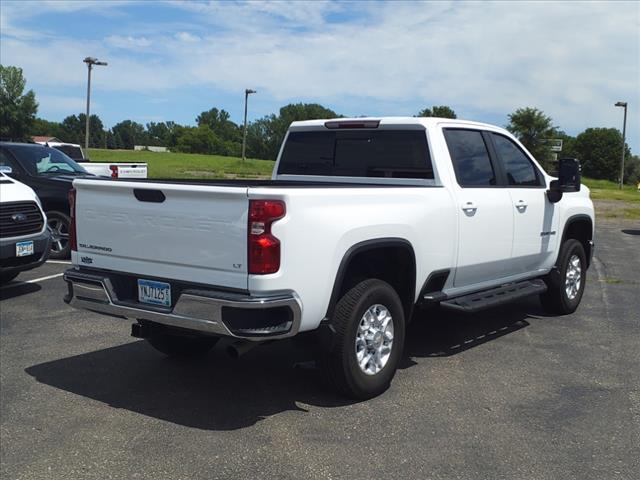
x,y
511,393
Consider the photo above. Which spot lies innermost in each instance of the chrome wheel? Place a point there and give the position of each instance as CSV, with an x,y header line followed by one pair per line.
x,y
374,339
59,234
573,277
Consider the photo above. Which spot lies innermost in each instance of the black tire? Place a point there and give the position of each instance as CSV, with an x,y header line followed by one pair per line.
x,y
7,277
59,224
556,300
339,358
181,346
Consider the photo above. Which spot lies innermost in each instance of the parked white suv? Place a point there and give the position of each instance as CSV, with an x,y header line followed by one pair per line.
x,y
364,220
24,237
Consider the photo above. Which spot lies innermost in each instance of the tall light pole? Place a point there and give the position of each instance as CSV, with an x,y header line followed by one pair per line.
x,y
90,61
624,132
247,92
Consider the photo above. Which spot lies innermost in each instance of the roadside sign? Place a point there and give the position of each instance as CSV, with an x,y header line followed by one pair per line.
x,y
555,144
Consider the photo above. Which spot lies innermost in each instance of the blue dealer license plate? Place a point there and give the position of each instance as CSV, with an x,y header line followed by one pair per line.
x,y
154,293
24,249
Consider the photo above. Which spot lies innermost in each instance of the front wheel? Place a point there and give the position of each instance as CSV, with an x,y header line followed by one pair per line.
x,y
59,224
566,282
369,326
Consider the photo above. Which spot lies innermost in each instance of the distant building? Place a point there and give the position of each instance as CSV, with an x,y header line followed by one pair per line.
x,y
42,139
151,148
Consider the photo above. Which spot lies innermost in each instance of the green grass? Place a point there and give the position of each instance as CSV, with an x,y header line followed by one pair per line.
x,y
606,190
187,165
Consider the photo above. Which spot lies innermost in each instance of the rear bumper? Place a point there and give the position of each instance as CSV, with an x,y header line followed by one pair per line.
x,y
209,312
9,263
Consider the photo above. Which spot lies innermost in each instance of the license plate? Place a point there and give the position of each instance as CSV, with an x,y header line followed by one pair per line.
x,y
154,293
24,249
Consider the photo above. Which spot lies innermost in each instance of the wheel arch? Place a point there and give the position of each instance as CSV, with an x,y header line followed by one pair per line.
x,y
395,263
580,227
55,206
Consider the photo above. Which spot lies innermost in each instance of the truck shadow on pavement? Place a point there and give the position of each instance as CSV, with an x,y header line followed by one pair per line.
x,y
17,289
221,393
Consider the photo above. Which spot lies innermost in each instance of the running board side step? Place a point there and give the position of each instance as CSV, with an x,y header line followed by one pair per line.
x,y
475,302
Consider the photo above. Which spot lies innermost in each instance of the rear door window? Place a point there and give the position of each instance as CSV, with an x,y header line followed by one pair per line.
x,y
470,158
362,153
519,169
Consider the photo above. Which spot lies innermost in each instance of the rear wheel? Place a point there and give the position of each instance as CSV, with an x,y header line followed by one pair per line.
x,y
369,327
181,346
566,282
59,224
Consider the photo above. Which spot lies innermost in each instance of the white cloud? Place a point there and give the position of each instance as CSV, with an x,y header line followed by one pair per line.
x,y
186,37
571,59
128,42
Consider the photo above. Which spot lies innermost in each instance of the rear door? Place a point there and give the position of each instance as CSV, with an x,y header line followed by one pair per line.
x,y
485,216
194,233
535,218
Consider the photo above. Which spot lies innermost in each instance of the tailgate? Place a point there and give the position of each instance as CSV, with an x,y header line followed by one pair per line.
x,y
131,170
193,233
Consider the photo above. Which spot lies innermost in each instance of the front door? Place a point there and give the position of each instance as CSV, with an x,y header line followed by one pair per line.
x,y
535,218
485,216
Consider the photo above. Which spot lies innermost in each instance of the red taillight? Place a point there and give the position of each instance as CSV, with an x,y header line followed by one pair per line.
x,y
264,248
73,243
114,171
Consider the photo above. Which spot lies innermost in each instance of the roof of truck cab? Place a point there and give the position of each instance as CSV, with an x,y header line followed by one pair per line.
x,y
387,121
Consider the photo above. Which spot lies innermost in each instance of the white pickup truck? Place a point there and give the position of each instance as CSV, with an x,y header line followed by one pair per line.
x,y
363,221
101,169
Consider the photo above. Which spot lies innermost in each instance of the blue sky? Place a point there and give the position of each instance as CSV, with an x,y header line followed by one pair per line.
x,y
172,60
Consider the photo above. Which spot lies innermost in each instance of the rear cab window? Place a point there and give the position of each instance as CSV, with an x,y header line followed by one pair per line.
x,y
357,153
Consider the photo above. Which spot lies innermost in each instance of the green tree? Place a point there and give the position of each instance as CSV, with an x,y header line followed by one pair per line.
x,y
218,121
127,134
72,130
442,111
265,135
533,128
196,140
599,152
46,128
632,170
17,109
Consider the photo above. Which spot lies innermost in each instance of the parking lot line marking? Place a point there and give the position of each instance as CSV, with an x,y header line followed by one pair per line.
x,y
44,278
62,262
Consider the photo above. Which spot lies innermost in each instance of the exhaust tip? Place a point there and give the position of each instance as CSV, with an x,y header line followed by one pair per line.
x,y
239,348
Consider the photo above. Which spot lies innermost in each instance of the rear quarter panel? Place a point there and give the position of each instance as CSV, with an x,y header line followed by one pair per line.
x,y
321,224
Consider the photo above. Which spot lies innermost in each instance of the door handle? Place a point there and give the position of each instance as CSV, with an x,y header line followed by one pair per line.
x,y
469,208
521,205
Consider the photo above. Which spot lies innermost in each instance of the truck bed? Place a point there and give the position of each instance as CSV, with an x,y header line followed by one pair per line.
x,y
262,183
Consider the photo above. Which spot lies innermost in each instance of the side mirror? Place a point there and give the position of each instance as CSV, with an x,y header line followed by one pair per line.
x,y
6,169
554,194
569,174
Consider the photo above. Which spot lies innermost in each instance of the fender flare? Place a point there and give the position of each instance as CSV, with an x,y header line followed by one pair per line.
x,y
364,246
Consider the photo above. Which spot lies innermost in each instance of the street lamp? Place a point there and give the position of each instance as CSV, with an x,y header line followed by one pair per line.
x,y
90,61
247,92
624,131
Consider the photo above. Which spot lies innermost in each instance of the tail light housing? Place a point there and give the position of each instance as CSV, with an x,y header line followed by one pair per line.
x,y
73,241
264,248
114,171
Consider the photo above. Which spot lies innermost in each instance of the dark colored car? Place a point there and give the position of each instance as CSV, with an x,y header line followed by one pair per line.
x,y
50,173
